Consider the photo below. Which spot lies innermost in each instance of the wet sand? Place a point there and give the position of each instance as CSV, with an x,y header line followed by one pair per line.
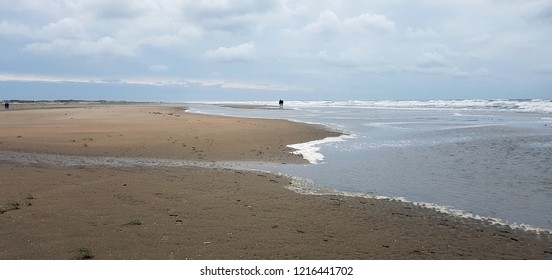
x,y
74,212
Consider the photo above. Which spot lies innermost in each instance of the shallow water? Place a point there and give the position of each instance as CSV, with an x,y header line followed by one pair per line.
x,y
484,161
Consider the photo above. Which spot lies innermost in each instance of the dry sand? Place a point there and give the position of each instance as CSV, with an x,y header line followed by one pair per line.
x,y
152,132
60,212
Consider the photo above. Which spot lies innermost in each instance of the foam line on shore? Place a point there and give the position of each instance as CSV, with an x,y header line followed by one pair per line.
x,y
308,187
310,150
298,184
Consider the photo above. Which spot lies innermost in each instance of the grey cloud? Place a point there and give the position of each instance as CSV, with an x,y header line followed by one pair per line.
x,y
158,68
539,11
226,8
120,9
227,15
545,69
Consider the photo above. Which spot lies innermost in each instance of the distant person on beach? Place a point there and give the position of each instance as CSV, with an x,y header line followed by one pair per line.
x,y
7,105
281,102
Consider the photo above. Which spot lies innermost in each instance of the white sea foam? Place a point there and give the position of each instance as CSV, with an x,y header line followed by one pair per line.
x,y
310,150
514,105
308,187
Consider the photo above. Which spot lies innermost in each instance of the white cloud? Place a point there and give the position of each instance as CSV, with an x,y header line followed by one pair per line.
x,y
482,72
342,59
420,33
329,22
454,72
262,87
172,39
441,67
66,28
105,46
432,60
153,82
294,38
480,39
369,21
241,53
434,63
14,29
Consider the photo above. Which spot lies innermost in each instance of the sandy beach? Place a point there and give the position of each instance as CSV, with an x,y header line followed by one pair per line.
x,y
101,212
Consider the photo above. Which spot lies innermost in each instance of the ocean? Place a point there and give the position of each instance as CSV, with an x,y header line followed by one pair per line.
x,y
486,159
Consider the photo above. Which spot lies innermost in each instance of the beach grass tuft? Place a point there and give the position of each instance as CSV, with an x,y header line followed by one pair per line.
x,y
84,254
9,206
134,223
13,204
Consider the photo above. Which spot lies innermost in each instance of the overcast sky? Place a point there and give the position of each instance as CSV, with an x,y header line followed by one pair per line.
x,y
263,50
